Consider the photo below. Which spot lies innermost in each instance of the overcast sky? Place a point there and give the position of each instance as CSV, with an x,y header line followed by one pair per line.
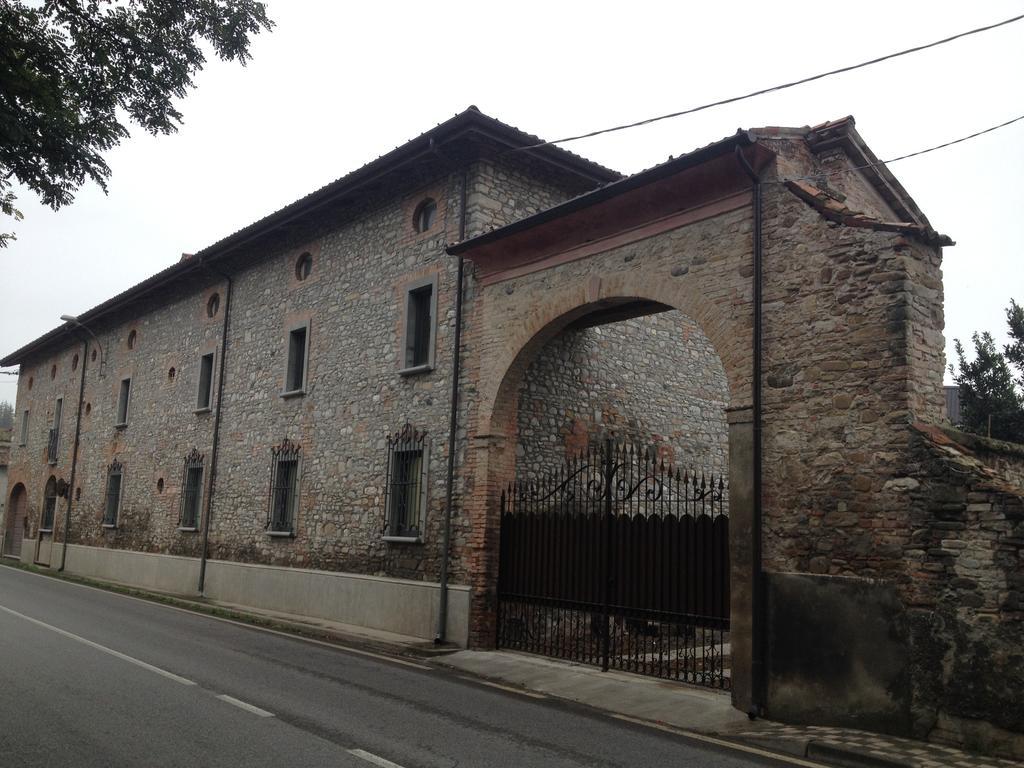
x,y
337,84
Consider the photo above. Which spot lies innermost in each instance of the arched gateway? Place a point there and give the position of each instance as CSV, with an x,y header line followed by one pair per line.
x,y
835,312
17,519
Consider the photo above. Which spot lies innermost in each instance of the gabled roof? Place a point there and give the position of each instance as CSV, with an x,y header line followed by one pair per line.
x,y
468,125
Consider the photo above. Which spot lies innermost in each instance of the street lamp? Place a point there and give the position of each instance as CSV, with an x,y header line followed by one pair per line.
x,y
76,322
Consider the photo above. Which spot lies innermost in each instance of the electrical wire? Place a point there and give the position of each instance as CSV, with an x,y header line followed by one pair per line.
x,y
773,88
906,156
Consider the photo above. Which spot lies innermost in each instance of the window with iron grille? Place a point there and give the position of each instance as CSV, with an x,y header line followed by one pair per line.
x,y
49,504
284,489
406,490
191,491
112,503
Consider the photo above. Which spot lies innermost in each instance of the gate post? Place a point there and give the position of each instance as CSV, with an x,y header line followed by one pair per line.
x,y
606,561
741,539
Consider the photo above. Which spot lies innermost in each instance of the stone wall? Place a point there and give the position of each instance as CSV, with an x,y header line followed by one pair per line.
x,y
364,255
655,381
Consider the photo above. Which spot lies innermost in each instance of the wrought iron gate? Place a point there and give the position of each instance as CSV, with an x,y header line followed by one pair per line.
x,y
621,560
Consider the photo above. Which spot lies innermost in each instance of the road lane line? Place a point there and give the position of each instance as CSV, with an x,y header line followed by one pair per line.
x,y
244,705
782,758
508,688
369,757
203,614
98,647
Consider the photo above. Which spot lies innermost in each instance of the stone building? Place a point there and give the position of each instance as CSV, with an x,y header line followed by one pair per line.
x,y
271,419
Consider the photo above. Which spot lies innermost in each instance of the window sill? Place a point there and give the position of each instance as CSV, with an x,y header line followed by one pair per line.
x,y
109,526
122,425
52,462
46,530
416,369
199,411
293,393
281,534
403,539
186,529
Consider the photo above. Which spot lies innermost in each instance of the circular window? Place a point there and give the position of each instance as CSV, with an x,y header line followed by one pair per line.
x,y
426,212
88,408
160,485
213,305
30,382
74,363
170,373
93,355
304,266
53,372
132,337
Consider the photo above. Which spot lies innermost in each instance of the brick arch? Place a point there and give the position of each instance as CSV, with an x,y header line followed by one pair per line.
x,y
15,524
523,340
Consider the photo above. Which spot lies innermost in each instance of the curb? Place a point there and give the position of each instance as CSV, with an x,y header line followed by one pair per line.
x,y
848,758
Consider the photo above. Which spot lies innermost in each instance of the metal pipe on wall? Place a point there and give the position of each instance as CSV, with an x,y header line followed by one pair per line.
x,y
757,670
211,484
74,457
453,423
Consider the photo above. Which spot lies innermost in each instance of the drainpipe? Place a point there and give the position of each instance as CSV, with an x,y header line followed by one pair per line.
x,y
453,423
212,484
74,457
757,596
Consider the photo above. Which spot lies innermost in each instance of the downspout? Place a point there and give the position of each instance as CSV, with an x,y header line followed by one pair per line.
x,y
212,484
74,457
453,423
757,671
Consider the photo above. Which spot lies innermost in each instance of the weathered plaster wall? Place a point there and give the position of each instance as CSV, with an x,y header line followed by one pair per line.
x,y
654,380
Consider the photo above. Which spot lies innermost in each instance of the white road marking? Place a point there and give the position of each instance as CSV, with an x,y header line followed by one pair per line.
x,y
509,688
201,614
369,757
782,758
98,647
244,705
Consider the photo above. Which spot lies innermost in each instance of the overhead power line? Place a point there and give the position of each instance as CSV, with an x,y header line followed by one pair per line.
x,y
752,94
908,155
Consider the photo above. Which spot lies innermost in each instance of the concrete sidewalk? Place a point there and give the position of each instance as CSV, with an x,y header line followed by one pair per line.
x,y
708,712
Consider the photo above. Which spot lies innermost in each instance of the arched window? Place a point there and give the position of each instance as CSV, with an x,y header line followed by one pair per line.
x,y
426,213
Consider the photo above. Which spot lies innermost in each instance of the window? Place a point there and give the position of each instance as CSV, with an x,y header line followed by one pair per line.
x,y
303,266
123,398
132,338
113,499
205,383
191,491
418,343
53,438
213,305
49,504
284,489
425,214
298,357
24,427
406,491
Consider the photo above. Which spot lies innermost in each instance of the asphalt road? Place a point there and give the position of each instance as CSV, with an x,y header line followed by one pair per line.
x,y
90,678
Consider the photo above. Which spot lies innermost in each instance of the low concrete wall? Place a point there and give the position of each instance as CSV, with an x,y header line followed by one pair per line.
x,y
837,653
392,605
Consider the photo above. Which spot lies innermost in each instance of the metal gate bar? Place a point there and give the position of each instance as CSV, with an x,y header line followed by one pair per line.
x,y
618,559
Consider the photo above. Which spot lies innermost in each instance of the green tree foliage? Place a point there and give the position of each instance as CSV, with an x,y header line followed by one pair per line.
x,y
73,72
988,386
6,416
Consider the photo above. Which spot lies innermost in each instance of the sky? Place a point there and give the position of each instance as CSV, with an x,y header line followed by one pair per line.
x,y
338,84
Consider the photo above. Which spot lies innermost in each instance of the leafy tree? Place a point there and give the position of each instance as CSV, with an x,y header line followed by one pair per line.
x,y
72,72
6,416
988,387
